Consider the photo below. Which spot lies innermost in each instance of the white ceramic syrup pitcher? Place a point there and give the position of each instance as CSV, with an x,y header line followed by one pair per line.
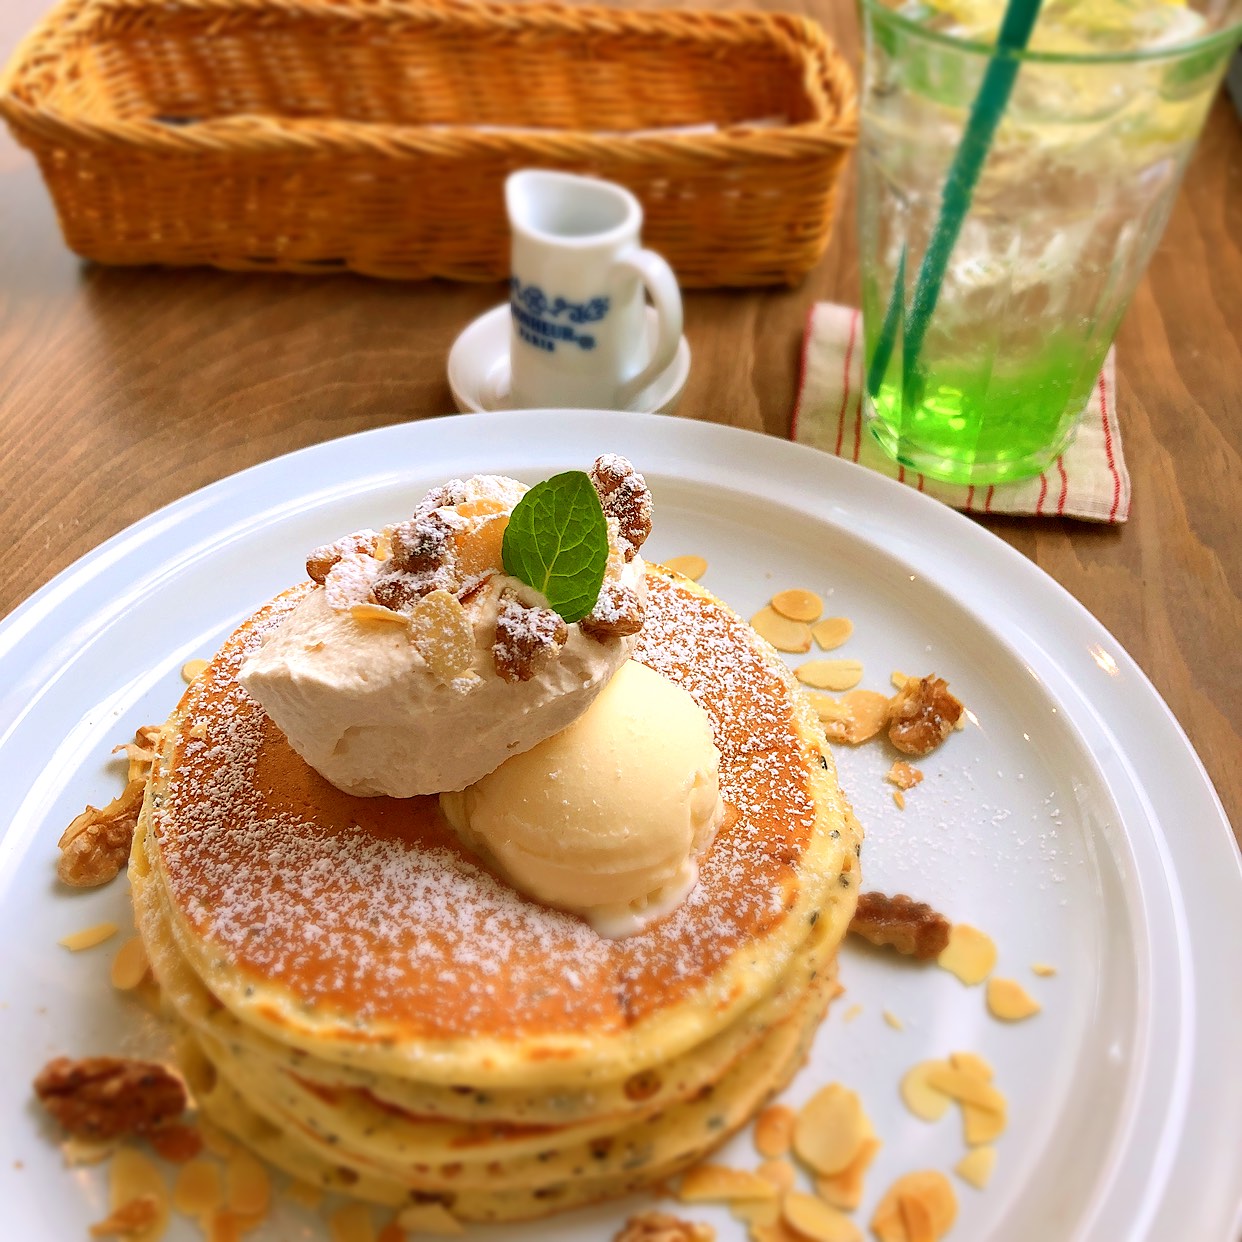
x,y
579,336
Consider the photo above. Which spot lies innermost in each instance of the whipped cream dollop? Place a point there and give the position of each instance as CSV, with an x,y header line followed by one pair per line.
x,y
417,666
606,818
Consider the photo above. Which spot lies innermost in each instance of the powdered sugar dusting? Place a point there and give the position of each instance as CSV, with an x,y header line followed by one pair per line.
x,y
370,907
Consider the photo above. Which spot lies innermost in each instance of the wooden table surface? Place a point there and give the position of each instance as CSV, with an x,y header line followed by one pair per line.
x,y
121,390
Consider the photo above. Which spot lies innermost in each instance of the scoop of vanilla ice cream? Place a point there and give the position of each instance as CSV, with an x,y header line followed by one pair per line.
x,y
360,704
607,818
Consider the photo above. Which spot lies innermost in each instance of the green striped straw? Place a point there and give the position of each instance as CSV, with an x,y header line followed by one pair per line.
x,y
959,189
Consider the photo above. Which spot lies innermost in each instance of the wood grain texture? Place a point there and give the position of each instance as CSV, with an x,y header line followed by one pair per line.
x,y
121,390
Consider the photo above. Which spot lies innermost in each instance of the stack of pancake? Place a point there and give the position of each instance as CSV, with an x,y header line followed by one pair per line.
x,y
360,1001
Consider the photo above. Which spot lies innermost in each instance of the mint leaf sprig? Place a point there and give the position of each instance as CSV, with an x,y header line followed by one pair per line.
x,y
557,542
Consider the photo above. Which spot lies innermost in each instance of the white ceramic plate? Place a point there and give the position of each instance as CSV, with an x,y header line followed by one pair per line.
x,y
1073,821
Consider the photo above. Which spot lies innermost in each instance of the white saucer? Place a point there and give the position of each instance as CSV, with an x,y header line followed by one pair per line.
x,y
479,360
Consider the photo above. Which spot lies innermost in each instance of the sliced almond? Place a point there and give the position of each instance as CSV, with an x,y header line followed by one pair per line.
x,y
903,775
975,1167
972,1063
830,1129
832,632
366,611
919,1096
774,1129
693,567
198,1190
870,711
88,937
753,1212
830,674
130,965
1009,1001
432,1218
1043,970
982,1125
797,604
898,679
780,1173
719,1183
216,1140
965,1088
970,954
308,1195
845,1189
248,1188
131,1177
937,1207
78,1153
830,710
781,632
226,1226
442,634
778,1231
192,670
813,1218
352,1223
916,1219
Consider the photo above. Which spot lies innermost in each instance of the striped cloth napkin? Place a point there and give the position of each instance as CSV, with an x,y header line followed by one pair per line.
x,y
1089,480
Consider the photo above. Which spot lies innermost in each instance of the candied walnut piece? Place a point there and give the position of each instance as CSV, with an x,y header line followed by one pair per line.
x,y
663,1227
445,496
922,715
617,613
421,545
107,1097
625,496
421,562
320,562
526,639
94,847
911,927
128,1219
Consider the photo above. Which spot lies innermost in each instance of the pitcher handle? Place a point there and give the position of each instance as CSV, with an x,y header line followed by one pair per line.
x,y
661,285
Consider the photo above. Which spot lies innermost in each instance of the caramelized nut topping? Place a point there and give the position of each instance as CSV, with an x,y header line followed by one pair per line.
x,y
903,775
617,613
94,847
526,639
442,497
624,494
105,1097
421,545
911,927
128,1219
319,563
922,715
663,1227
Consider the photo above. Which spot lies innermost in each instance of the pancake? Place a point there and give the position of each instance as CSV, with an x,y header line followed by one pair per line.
x,y
364,1003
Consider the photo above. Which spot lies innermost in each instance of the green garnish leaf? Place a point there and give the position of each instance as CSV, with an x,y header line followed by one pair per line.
x,y
557,542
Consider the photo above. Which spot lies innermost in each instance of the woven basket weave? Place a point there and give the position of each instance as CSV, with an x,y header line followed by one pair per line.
x,y
374,135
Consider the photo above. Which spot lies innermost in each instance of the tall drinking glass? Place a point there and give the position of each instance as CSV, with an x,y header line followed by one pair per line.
x,y
1079,179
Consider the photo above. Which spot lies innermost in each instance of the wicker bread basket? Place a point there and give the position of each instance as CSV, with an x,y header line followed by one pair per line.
x,y
374,135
